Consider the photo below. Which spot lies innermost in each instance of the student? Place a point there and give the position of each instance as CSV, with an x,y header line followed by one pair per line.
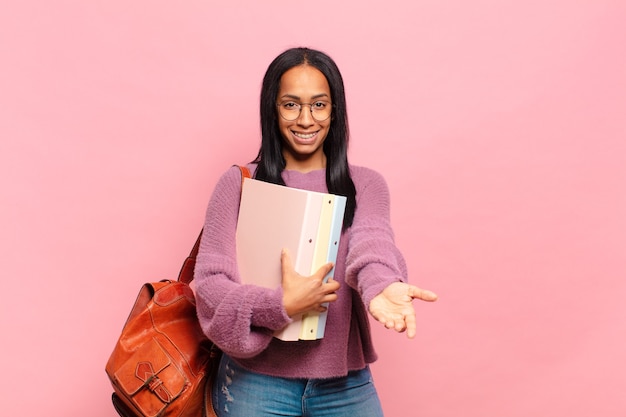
x,y
304,144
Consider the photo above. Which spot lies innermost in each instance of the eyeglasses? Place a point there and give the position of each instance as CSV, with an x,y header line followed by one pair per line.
x,y
290,110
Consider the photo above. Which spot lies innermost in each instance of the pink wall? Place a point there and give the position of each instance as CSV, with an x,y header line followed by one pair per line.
x,y
498,125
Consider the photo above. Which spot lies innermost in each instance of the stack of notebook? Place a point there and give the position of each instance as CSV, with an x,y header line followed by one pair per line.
x,y
307,223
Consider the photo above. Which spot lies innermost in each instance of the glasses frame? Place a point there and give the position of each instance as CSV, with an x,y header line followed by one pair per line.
x,y
300,110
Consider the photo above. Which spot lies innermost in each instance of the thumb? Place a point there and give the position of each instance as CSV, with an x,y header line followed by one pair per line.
x,y
286,264
420,294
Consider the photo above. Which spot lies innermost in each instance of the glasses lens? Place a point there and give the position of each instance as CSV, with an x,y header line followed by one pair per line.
x,y
289,110
321,110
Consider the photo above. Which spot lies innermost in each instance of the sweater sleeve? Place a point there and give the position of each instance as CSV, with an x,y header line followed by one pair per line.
x,y
373,260
240,319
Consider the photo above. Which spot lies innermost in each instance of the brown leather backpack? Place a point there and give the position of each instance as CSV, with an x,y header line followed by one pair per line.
x,y
163,365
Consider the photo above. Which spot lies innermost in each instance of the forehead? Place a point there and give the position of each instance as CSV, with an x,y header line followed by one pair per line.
x,y
303,81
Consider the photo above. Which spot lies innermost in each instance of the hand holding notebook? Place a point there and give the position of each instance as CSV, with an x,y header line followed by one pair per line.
x,y
303,294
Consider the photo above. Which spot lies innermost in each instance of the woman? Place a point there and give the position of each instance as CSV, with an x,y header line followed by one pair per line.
x,y
304,145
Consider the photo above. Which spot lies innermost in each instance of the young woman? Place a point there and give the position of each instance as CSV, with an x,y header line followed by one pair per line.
x,y
304,145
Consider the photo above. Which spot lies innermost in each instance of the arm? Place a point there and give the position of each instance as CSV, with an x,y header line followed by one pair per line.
x,y
373,261
240,319
375,266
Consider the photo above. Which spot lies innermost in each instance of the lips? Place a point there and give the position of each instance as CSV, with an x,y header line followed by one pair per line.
x,y
304,138
305,135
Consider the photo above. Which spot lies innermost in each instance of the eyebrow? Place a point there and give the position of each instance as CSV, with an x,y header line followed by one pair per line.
x,y
294,97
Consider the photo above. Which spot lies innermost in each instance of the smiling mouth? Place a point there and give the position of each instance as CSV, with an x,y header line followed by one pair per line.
x,y
304,136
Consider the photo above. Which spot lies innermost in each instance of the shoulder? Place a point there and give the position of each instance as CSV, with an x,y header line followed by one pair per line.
x,y
364,177
228,185
233,175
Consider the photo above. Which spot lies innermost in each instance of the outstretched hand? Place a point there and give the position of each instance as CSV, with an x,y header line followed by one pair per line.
x,y
393,307
302,293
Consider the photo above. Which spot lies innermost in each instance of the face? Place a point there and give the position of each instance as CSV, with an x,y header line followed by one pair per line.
x,y
303,137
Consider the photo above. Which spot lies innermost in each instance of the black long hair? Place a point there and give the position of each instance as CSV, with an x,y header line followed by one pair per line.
x,y
270,159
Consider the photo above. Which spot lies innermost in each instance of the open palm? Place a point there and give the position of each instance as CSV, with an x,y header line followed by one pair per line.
x,y
393,307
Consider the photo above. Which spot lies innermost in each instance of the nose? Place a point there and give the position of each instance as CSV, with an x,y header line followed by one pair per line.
x,y
306,117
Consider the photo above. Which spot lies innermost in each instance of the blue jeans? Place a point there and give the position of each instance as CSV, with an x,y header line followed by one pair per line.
x,y
238,392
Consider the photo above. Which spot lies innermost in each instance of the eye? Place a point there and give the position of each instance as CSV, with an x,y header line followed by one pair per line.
x,y
290,105
320,105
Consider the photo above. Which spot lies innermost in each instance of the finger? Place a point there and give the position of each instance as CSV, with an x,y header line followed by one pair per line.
x,y
382,319
386,321
420,294
332,285
324,270
411,325
400,326
285,261
329,298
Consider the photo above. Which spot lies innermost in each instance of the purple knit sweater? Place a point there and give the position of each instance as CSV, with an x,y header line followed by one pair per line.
x,y
240,319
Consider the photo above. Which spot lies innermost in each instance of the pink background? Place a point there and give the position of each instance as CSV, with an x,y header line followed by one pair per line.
x,y
499,125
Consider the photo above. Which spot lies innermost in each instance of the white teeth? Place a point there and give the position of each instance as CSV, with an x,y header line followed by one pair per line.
x,y
304,135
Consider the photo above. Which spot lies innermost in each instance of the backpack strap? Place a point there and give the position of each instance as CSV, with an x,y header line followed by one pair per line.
x,y
186,271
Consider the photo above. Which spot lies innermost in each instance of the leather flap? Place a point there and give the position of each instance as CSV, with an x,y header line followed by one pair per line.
x,y
150,379
172,293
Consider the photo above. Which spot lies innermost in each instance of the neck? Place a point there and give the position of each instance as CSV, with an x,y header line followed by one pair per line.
x,y
305,165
